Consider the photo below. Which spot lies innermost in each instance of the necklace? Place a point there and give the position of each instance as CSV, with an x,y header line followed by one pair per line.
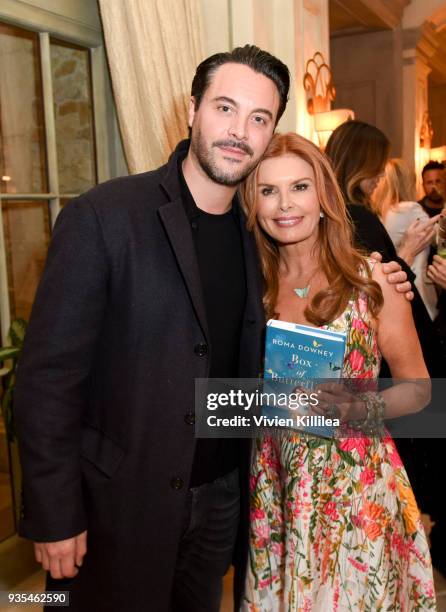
x,y
302,292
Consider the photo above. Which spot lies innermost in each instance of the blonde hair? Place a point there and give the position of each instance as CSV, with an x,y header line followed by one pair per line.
x,y
397,185
339,260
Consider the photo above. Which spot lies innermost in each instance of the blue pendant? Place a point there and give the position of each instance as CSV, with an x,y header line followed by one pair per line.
x,y
302,291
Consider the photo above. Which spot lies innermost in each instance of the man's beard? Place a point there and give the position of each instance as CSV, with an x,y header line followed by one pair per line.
x,y
209,166
435,196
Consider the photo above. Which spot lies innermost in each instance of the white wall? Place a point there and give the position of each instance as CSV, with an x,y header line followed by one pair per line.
x,y
367,72
292,30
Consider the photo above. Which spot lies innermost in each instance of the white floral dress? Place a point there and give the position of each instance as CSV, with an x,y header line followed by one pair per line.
x,y
334,523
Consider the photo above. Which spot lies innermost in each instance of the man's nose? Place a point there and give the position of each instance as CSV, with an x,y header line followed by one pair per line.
x,y
238,129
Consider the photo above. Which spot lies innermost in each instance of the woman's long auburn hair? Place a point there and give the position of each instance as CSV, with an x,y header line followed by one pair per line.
x,y
340,261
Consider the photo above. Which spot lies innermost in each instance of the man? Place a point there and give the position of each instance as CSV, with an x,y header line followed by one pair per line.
x,y
151,281
434,185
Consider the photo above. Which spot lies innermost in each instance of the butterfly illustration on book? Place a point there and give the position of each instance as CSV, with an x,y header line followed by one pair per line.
x,y
317,344
333,367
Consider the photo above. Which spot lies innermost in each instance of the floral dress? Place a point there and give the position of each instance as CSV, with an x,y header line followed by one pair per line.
x,y
334,523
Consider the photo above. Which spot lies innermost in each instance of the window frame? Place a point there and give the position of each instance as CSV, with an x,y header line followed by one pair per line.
x,y
60,29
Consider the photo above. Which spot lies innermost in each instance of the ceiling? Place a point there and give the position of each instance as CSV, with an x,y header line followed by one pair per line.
x,y
355,16
348,17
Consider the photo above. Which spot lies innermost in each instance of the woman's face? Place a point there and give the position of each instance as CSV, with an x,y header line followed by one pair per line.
x,y
369,185
287,203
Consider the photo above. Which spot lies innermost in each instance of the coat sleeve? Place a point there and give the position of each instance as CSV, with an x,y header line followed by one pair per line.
x,y
52,378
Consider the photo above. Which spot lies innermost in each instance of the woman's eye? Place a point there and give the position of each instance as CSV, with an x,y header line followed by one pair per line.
x,y
265,191
301,187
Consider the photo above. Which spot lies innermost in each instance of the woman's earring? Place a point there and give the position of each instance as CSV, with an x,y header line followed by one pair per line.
x,y
321,215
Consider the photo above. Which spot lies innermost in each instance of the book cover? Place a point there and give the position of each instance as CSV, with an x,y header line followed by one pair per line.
x,y
295,356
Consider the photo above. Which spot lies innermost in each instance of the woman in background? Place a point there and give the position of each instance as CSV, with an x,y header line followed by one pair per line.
x,y
334,524
359,153
408,225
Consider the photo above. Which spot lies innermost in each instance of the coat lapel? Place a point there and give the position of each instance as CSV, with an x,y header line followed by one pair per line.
x,y
177,226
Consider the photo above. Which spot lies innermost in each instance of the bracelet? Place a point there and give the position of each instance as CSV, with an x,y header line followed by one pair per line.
x,y
375,406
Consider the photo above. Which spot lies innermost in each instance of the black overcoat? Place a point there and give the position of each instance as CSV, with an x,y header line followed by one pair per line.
x,y
105,386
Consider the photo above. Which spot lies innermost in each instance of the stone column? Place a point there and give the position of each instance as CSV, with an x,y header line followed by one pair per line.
x,y
419,44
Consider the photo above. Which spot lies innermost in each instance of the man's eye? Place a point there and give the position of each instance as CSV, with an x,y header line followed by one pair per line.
x,y
224,108
259,119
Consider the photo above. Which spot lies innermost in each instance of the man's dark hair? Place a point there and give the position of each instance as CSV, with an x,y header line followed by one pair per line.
x,y
258,60
432,165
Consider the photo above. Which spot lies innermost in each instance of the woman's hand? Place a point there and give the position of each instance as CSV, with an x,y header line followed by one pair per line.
x,y
336,402
417,237
437,271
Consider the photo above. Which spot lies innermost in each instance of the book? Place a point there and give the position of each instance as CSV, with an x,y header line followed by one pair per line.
x,y
300,356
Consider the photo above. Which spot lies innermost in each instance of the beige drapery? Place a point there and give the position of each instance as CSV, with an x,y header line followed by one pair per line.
x,y
153,49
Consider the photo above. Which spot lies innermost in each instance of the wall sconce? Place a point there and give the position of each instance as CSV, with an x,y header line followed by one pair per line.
x,y
318,83
426,132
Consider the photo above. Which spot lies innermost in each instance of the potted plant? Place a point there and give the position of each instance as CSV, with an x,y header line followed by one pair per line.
x,y
10,355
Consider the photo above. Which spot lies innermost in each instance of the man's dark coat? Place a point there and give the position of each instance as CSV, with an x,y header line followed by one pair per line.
x,y
105,387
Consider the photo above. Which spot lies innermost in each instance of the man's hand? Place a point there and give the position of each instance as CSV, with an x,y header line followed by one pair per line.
x,y
395,276
417,237
62,559
437,271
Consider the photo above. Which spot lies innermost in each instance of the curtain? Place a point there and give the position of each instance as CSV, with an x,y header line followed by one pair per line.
x,y
153,49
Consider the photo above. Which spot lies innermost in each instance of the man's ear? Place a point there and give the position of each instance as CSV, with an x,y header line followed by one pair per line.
x,y
191,111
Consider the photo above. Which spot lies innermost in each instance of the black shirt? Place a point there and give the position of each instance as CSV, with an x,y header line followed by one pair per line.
x,y
219,248
430,210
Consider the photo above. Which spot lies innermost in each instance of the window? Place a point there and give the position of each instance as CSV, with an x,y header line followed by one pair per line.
x,y
48,154
47,150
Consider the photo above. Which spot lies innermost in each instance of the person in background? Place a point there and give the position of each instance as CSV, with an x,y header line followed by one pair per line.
x,y
437,271
434,185
408,225
359,153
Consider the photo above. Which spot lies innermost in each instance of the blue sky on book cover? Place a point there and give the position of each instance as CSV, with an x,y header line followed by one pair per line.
x,y
302,352
296,353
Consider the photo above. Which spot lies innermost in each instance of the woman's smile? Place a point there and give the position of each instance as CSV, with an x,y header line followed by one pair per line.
x,y
287,221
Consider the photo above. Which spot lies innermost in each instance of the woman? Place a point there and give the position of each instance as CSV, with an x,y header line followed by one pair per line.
x,y
408,225
334,524
358,153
